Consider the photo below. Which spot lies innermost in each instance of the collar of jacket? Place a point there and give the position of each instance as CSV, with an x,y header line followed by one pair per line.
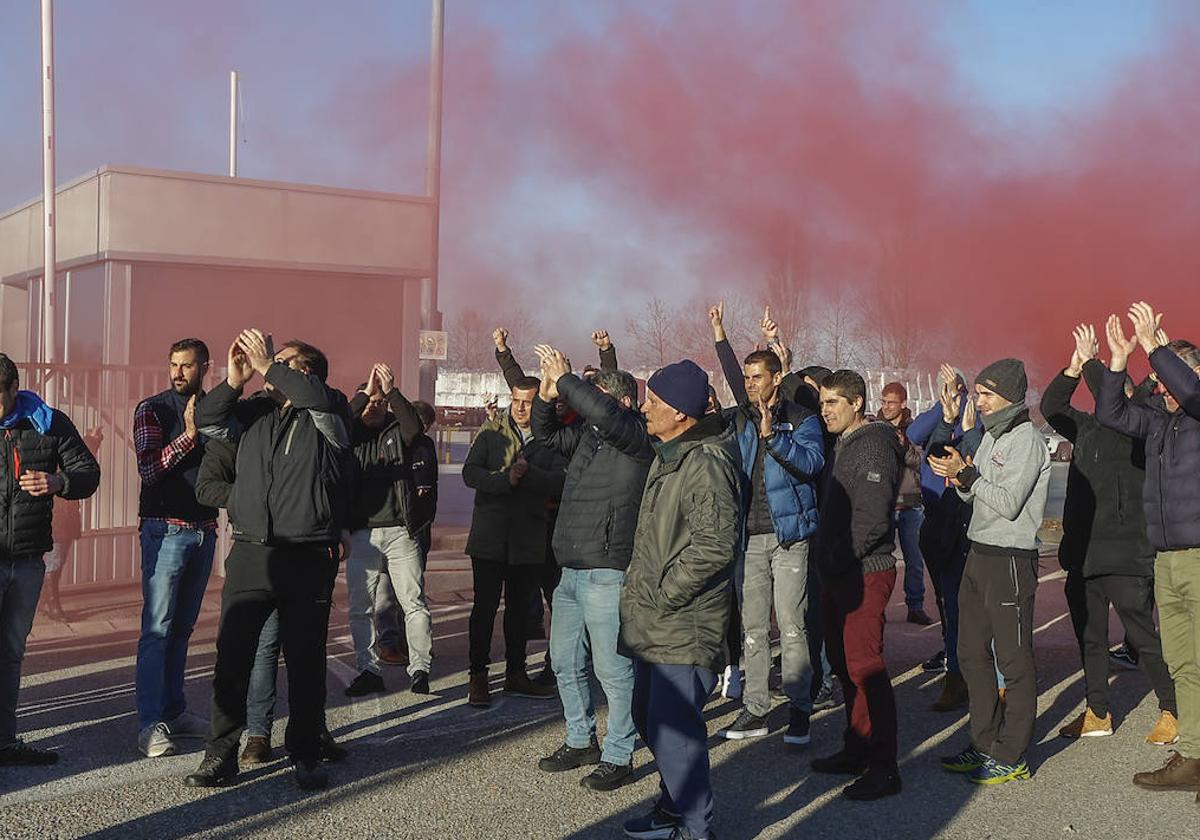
x,y
999,422
673,451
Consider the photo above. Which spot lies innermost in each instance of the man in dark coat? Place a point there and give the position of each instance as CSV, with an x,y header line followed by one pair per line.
x,y
41,456
1104,545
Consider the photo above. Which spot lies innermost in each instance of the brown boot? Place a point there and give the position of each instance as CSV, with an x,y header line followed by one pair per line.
x,y
954,694
1178,773
518,684
477,691
257,751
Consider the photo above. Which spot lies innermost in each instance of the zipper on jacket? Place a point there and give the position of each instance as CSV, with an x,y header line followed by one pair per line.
x,y
14,463
287,447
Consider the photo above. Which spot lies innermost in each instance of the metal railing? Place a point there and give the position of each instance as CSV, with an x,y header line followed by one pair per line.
x,y
100,400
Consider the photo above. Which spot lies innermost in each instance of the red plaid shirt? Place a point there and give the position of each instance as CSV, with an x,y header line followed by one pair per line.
x,y
155,460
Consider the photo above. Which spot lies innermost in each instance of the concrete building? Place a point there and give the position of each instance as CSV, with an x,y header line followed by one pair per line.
x,y
146,257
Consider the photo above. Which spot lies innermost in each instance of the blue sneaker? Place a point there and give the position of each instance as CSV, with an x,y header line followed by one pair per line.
x,y
992,772
657,825
967,761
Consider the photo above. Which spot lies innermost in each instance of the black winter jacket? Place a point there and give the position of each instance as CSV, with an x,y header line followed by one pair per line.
x,y
25,520
294,466
610,453
509,524
384,494
1171,494
856,530
1104,527
218,468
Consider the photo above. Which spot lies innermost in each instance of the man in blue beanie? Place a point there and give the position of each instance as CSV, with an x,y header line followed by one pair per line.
x,y
676,599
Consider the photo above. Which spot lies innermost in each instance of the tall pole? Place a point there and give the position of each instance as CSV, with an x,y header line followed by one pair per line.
x,y
433,190
50,261
233,101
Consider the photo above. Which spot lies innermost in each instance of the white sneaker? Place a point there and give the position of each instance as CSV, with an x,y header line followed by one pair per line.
x,y
155,741
731,683
187,725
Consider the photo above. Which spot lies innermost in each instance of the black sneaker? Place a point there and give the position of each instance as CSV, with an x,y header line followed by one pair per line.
x,y
936,664
657,825
608,776
331,751
747,725
311,775
876,783
824,699
1123,656
568,758
214,771
797,731
21,753
420,682
365,683
546,677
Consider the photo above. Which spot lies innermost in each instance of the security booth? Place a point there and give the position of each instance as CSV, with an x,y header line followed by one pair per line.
x,y
147,257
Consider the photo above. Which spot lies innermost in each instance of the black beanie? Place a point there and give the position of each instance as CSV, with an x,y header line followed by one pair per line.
x,y
683,386
1006,378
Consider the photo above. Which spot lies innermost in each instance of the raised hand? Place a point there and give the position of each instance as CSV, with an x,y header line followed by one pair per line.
x,y
1086,348
385,377
1119,346
189,417
716,317
948,395
948,376
240,370
765,420
500,337
490,408
968,419
770,329
600,339
947,467
554,363
258,348
1145,325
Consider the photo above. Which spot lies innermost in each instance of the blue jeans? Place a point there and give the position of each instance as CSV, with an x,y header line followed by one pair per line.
x,y
587,621
952,577
20,586
908,530
260,700
176,563
668,709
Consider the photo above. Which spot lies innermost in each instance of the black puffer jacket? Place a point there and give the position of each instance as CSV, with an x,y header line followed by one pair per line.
x,y
1104,528
1171,495
294,468
610,454
25,520
856,531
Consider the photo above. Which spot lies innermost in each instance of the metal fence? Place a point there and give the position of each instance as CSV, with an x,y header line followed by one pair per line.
x,y
100,400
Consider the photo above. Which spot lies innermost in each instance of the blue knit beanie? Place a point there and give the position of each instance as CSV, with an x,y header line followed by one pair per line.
x,y
683,386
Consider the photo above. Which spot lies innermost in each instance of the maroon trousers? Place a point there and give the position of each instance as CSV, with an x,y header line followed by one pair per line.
x,y
853,609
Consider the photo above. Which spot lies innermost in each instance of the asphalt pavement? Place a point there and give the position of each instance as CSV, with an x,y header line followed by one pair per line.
x,y
432,767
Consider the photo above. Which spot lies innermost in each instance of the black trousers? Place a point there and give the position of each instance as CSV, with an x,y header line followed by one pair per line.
x,y
995,602
297,580
1132,596
517,583
1075,590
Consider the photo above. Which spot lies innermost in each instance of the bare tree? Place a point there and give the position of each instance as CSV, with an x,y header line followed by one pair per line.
x,y
841,331
469,340
654,333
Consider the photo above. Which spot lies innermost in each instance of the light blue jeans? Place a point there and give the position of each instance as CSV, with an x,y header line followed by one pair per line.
x,y
176,563
587,621
370,550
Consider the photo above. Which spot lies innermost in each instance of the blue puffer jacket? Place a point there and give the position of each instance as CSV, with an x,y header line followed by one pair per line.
x,y
919,432
794,458
1171,496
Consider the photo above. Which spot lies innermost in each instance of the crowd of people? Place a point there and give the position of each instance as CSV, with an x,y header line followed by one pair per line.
x,y
656,534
